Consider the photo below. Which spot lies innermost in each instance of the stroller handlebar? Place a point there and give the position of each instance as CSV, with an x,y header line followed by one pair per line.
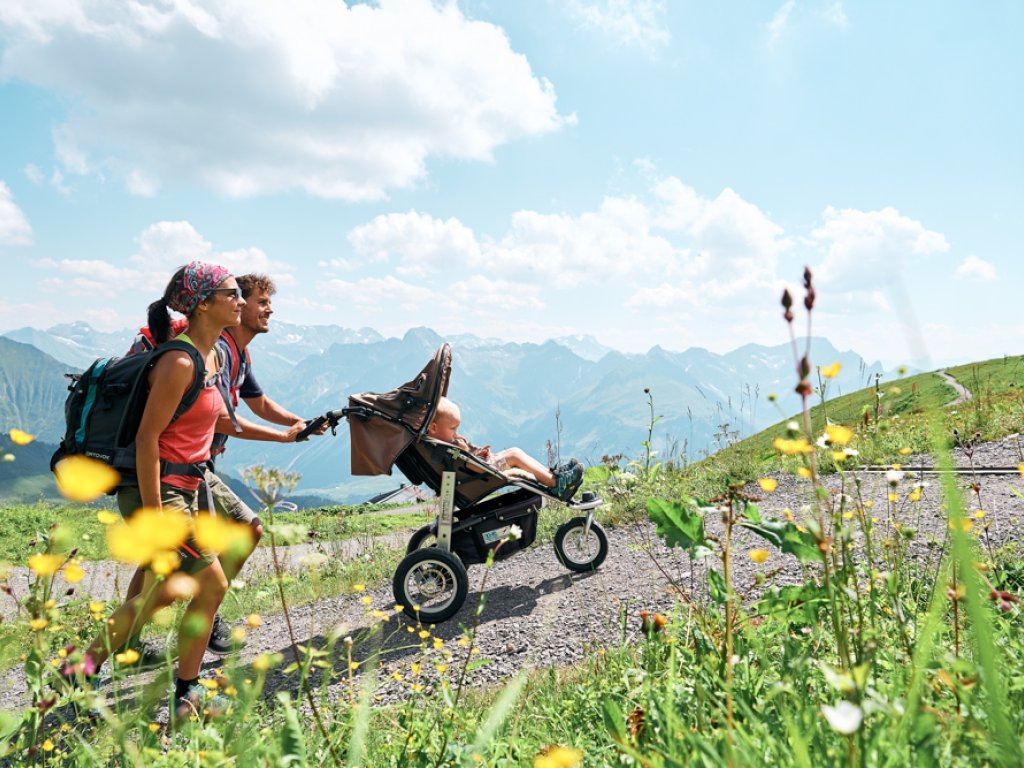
x,y
312,425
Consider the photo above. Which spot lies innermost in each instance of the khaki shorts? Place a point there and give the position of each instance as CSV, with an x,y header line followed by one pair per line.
x,y
227,502
129,501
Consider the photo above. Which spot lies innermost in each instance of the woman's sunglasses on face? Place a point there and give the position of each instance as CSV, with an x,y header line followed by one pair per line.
x,y
235,294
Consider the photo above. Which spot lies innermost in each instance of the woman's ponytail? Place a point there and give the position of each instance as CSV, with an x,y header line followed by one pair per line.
x,y
158,319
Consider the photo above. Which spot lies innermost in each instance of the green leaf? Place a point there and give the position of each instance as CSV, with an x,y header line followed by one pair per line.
x,y
716,586
613,720
293,744
679,525
751,512
787,537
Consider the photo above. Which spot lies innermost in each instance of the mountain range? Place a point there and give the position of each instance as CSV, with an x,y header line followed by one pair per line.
x,y
582,398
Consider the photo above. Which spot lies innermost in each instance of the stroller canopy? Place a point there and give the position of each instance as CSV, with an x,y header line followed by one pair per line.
x,y
383,425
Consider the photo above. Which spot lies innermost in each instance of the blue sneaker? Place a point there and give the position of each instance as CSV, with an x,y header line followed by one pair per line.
x,y
568,480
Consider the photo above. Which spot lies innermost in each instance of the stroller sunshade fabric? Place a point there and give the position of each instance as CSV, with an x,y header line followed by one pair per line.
x,y
381,426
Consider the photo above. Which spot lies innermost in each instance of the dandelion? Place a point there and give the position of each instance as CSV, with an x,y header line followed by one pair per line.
x,y
238,634
893,498
20,437
45,565
359,587
219,534
442,668
893,477
558,757
904,451
38,624
838,434
438,643
804,472
96,607
73,573
979,515
768,484
424,634
127,657
153,727
367,600
82,479
254,621
48,746
758,555
831,371
791,446
915,495
145,534
848,515
106,517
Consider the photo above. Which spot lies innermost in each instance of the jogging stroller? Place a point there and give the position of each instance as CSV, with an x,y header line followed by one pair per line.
x,y
478,504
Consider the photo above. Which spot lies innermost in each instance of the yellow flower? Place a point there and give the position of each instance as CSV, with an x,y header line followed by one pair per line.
x,y
261,663
847,515
441,668
73,573
904,451
165,562
915,495
838,434
367,600
804,472
558,757
359,587
153,727
768,484
97,607
965,525
147,532
82,479
414,668
424,634
45,565
254,620
979,515
1020,468
18,437
238,634
758,555
831,371
106,517
218,534
127,657
47,746
840,456
438,643
893,498
791,447
38,624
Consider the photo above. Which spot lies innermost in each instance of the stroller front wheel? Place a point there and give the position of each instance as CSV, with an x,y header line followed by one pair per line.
x,y
577,548
431,585
424,537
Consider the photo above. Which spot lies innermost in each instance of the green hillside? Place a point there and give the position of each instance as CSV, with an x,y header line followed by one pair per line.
x,y
893,416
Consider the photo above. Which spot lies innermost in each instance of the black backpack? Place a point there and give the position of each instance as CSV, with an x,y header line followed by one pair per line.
x,y
104,409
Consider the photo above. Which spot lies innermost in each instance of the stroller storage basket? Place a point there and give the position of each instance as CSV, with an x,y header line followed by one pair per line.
x,y
480,528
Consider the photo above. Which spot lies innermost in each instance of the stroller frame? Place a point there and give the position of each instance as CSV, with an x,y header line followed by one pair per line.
x,y
431,582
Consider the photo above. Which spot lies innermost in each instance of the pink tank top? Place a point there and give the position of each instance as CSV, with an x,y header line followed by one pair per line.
x,y
187,439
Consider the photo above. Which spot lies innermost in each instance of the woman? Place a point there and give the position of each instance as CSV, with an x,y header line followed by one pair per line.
x,y
209,297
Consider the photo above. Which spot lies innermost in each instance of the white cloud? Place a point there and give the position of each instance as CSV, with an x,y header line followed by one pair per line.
x,y
166,245
662,296
974,268
777,26
374,294
866,248
139,183
34,174
342,101
484,296
14,226
94,278
628,22
420,243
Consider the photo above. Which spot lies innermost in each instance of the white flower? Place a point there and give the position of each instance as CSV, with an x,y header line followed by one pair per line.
x,y
823,441
845,717
851,451
792,426
514,533
893,476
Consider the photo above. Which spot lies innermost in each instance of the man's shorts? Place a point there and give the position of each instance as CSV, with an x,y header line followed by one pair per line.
x,y
227,502
129,501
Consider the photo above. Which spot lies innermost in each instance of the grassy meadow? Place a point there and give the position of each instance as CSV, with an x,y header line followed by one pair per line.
x,y
872,660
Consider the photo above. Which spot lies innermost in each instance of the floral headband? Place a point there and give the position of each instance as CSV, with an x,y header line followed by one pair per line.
x,y
198,279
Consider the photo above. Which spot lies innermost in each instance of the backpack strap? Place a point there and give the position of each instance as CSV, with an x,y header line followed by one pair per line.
x,y
236,356
183,343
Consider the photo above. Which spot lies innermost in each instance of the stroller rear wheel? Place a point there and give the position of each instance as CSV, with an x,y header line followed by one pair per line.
x,y
424,537
577,548
431,584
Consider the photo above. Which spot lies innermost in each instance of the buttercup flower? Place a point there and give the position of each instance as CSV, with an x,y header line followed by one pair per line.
x,y
791,446
831,371
768,484
19,437
758,555
82,479
45,565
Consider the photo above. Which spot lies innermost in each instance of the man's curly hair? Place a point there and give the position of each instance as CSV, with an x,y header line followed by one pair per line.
x,y
253,281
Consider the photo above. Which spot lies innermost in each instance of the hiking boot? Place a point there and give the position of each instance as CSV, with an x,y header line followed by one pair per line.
x,y
200,702
220,638
568,481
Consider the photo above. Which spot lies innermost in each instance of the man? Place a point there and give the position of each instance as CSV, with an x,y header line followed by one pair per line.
x,y
233,344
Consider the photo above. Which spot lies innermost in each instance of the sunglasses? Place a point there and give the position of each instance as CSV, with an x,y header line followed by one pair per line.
x,y
235,294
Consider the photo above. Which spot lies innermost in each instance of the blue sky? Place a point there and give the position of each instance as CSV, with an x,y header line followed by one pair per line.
x,y
645,172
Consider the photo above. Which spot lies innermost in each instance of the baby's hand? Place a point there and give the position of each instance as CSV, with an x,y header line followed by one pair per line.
x,y
485,453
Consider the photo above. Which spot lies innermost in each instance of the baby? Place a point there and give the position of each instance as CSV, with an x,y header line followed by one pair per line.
x,y
563,480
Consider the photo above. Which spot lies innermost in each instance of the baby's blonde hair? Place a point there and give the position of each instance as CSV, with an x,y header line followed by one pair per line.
x,y
447,409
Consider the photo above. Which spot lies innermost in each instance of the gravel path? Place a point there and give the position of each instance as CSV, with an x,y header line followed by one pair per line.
x,y
962,393
537,614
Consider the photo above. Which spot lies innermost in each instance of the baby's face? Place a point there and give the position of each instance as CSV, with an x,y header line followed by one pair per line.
x,y
444,428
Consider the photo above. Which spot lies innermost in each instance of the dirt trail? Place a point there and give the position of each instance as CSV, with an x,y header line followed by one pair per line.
x,y
537,614
963,394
